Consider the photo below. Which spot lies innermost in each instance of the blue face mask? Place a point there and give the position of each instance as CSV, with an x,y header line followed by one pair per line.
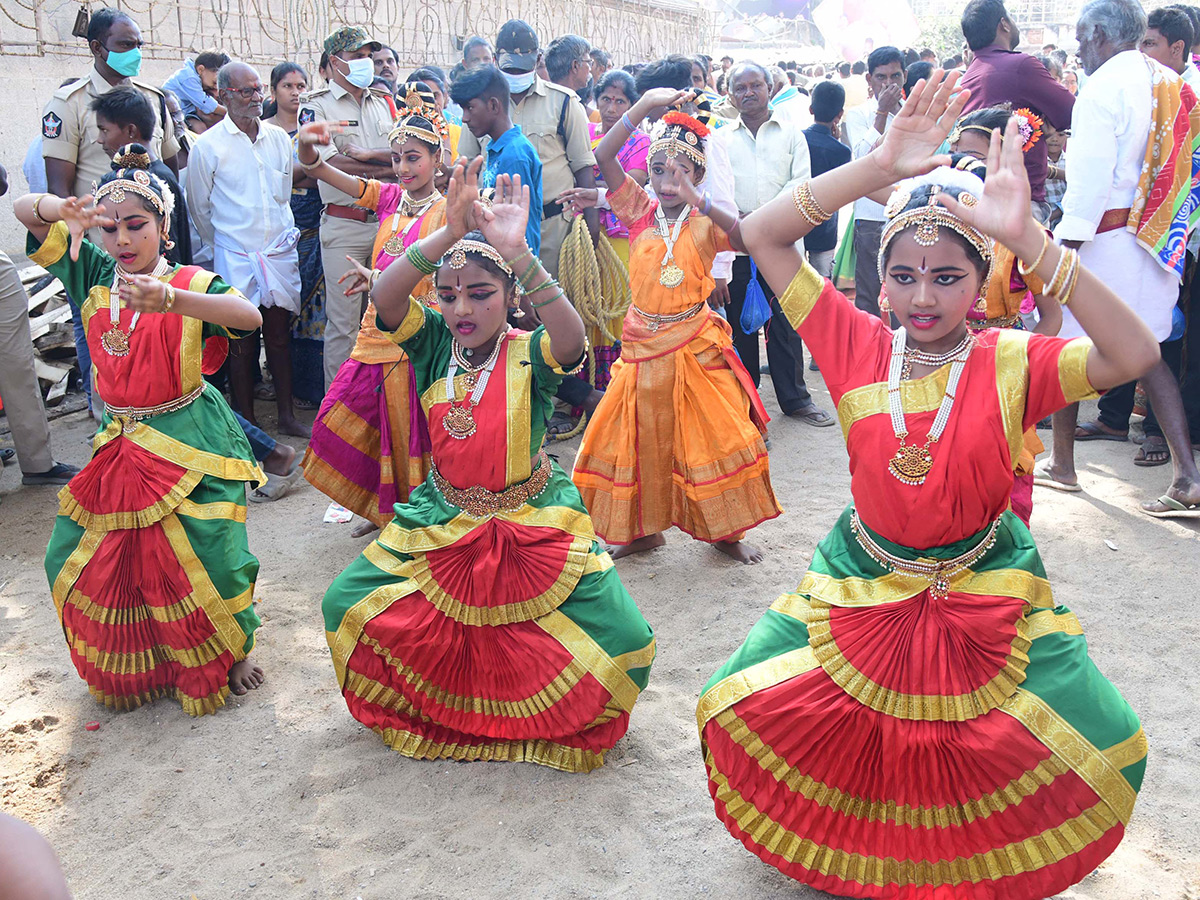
x,y
127,62
361,72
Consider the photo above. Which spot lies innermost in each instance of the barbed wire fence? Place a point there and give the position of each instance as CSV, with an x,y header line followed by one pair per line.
x,y
264,32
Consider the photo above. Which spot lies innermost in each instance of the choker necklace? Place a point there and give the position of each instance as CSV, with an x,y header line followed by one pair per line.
x,y
914,355
115,341
414,209
911,464
670,276
459,421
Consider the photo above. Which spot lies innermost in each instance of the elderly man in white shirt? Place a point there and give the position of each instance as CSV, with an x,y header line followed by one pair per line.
x,y
769,154
239,187
1111,126
865,125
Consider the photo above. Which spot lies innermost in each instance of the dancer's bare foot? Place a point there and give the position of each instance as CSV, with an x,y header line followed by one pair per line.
x,y
280,460
641,545
363,528
294,427
746,554
244,676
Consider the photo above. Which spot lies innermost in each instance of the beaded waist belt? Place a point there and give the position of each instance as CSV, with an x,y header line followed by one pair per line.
x,y
657,321
937,572
478,502
137,413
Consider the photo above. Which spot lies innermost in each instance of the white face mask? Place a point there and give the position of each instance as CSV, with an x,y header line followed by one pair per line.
x,y
361,72
519,83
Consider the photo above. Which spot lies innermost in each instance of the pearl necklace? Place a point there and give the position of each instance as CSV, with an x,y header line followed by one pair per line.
x,y
914,355
115,341
911,464
459,421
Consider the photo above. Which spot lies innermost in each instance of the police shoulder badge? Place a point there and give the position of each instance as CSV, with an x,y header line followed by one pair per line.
x,y
51,126
307,116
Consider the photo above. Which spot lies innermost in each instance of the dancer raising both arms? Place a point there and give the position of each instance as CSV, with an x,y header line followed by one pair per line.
x,y
485,622
678,438
148,562
369,446
918,719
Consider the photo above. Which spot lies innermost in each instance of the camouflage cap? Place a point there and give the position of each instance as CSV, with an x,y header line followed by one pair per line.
x,y
349,39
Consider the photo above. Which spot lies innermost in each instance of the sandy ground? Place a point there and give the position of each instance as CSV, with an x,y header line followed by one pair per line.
x,y
283,795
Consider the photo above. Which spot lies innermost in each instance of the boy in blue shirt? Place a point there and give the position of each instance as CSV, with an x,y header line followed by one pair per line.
x,y
483,95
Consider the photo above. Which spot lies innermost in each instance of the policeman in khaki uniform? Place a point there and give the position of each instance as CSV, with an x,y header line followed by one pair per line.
x,y
554,121
361,149
70,138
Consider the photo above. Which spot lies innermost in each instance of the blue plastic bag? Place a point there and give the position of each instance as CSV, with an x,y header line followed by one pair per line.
x,y
755,310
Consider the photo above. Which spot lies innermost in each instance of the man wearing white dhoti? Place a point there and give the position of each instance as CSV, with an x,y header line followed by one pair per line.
x,y
239,188
1111,128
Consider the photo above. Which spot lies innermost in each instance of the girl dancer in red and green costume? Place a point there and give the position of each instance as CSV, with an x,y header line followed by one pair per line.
x,y
920,719
485,622
148,562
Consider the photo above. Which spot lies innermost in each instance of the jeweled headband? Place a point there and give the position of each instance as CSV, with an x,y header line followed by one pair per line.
x,y
457,257
419,103
680,133
928,219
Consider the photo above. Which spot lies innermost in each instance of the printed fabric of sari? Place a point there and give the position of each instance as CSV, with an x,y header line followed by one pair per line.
x,y
148,563
369,447
678,438
885,734
486,622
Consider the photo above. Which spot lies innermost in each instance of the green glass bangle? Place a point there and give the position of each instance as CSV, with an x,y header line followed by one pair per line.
x,y
549,282
533,267
561,293
419,260
512,263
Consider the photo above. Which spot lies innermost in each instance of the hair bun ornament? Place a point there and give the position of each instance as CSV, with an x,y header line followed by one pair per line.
x,y
1029,124
132,156
897,202
683,120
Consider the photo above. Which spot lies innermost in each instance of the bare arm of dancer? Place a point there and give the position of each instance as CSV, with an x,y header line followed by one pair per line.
x,y
614,139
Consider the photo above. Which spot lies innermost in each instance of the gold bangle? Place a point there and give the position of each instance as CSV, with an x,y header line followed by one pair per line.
x,y
1028,270
1069,291
36,203
808,207
372,278
168,298
1059,278
308,167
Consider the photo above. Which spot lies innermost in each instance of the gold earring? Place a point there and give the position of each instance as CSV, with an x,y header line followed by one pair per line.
x,y
980,304
884,305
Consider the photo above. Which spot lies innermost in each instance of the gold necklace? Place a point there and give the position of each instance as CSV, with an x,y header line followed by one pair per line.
x,y
916,356
459,421
115,340
414,209
670,275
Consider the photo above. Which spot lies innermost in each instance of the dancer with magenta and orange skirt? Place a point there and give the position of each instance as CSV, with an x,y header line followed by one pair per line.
x,y
369,447
148,562
678,438
920,720
486,622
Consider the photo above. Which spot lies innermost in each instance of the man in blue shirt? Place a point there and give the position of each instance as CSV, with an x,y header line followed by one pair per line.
x,y
482,93
196,87
825,152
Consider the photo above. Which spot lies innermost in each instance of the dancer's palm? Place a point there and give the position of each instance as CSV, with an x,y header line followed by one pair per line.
x,y
920,127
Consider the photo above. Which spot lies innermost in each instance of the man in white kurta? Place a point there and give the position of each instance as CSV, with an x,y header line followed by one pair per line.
x,y
1110,130
239,188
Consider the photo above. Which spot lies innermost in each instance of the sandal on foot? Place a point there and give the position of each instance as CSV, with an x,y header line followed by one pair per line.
x,y
1042,477
276,487
1094,431
6,453
60,473
812,415
1174,509
1152,445
560,423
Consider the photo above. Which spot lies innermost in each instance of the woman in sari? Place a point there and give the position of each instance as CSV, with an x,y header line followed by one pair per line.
x,y
148,562
486,622
919,719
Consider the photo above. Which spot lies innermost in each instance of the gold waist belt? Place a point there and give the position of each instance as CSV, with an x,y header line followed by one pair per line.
x,y
657,321
478,502
137,413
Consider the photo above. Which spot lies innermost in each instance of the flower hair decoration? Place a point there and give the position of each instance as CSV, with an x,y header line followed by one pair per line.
x,y
1030,126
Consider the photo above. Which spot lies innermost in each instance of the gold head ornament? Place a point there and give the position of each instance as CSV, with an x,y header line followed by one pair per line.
x,y
929,218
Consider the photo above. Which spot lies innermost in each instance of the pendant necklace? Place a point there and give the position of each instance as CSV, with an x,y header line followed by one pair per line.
x,y
911,464
670,276
394,246
115,341
459,421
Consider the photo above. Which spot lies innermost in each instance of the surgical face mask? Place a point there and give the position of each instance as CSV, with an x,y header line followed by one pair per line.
x,y
127,62
519,83
361,72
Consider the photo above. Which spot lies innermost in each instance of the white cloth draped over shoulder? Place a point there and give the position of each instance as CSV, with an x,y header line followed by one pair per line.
x,y
1110,128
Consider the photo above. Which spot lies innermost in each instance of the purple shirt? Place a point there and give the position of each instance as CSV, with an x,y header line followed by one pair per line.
x,y
998,76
